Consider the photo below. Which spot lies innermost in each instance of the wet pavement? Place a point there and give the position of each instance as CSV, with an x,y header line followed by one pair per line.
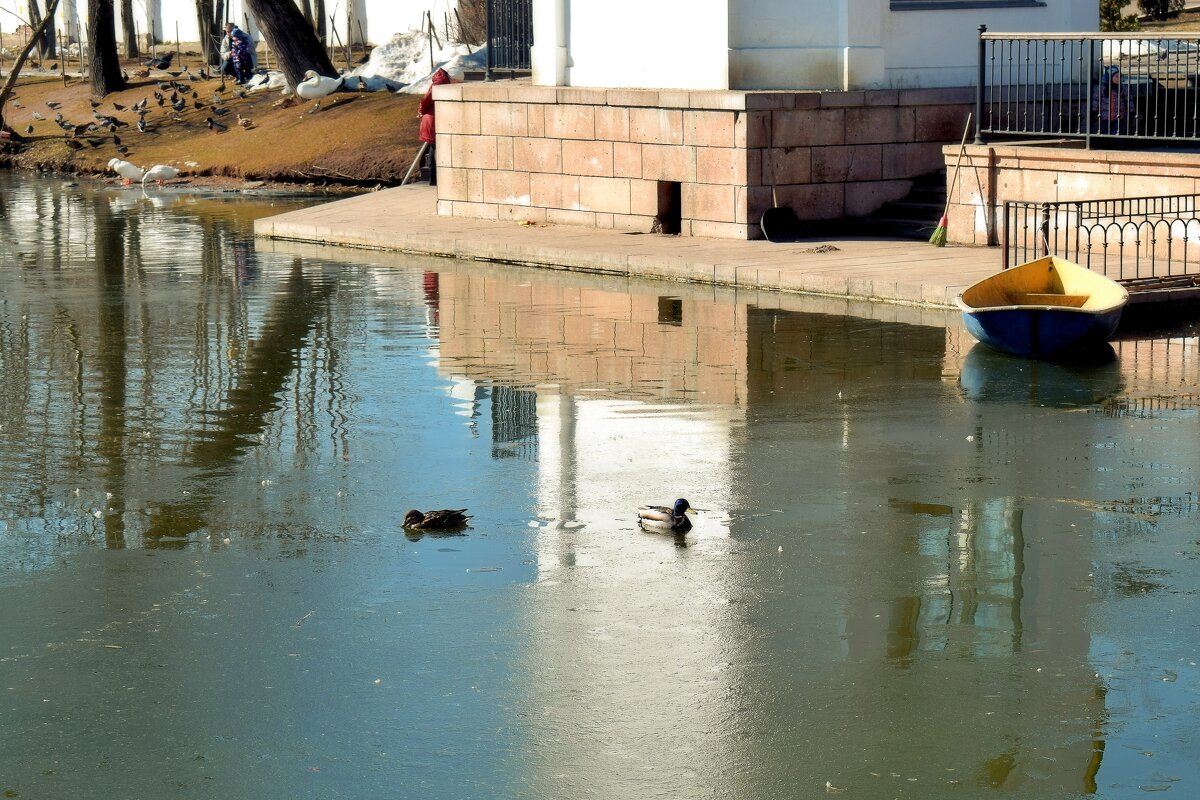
x,y
405,219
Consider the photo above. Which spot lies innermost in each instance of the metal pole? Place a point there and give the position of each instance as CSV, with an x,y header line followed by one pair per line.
x,y
420,152
1004,239
979,80
1045,229
1087,138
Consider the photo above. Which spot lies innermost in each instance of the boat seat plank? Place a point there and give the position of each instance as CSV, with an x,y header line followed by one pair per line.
x,y
1048,299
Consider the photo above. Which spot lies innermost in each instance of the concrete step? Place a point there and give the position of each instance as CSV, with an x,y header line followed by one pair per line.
x,y
913,217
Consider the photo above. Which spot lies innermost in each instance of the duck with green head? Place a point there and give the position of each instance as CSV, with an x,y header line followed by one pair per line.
x,y
662,518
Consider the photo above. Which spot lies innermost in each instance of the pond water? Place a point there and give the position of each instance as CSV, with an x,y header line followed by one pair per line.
x,y
917,569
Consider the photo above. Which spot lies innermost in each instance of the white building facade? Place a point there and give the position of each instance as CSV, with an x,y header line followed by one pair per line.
x,y
779,44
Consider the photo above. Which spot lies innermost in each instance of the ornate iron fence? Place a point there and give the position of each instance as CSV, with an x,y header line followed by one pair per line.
x,y
1133,239
1088,86
509,35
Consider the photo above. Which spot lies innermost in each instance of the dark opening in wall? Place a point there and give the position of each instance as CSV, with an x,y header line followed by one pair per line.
x,y
670,311
670,208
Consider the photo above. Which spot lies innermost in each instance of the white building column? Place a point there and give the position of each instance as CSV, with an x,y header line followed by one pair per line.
x,y
550,55
863,63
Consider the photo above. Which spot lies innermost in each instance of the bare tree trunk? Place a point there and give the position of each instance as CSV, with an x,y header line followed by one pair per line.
x,y
292,41
319,10
131,43
104,65
211,19
306,7
472,21
15,71
47,47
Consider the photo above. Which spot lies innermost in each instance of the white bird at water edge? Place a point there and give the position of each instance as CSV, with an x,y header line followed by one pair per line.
x,y
159,173
130,172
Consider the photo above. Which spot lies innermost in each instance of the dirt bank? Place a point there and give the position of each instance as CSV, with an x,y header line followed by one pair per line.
x,y
360,139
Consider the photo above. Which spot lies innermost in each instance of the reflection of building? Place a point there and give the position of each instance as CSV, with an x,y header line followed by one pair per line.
x,y
564,364
593,385
940,587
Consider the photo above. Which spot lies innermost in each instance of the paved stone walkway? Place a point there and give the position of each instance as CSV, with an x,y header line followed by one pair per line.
x,y
882,270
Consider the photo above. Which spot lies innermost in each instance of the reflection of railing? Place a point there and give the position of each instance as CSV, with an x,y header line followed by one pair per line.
x,y
1088,85
509,35
1126,238
514,423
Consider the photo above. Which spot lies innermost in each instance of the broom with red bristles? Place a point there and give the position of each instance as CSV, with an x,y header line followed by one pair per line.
x,y
939,234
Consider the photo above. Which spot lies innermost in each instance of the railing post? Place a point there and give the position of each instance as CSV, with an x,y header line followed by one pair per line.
x,y
979,86
1078,224
1087,96
1004,237
487,74
1045,229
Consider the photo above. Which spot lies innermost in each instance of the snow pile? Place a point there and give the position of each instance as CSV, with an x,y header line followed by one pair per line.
x,y
265,82
404,61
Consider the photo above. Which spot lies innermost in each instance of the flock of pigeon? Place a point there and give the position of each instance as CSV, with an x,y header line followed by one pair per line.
x,y
181,94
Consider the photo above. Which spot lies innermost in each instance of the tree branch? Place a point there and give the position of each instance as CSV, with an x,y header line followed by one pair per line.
x,y
24,54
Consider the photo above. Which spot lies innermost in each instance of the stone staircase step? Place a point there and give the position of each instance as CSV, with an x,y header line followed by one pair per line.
x,y
913,217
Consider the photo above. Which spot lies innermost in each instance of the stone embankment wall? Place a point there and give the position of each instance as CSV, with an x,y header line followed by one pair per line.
x,y
629,159
1060,171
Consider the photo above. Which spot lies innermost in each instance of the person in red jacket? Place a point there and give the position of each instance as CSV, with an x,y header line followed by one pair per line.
x,y
427,133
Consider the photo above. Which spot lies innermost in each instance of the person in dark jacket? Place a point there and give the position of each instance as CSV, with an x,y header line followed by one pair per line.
x,y
427,133
1112,103
237,53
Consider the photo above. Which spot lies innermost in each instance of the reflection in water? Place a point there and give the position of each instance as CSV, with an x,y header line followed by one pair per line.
x,y
266,366
895,583
988,375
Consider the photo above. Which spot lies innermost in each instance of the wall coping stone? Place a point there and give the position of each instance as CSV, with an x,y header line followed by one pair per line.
x,y
1069,154
715,100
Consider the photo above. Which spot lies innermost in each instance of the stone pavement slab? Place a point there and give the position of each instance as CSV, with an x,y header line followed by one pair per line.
x,y
405,219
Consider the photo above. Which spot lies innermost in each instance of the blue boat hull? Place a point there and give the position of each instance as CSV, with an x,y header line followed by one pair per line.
x,y
1040,332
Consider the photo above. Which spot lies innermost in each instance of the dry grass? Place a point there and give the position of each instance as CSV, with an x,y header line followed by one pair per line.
x,y
1188,21
354,137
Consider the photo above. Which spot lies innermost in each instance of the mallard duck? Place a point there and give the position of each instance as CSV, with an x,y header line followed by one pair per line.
x,y
444,519
661,518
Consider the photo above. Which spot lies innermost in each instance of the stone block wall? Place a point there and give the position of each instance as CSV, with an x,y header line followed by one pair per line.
x,y
605,158
1048,172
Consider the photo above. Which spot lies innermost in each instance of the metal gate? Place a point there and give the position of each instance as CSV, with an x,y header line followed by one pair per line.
x,y
509,35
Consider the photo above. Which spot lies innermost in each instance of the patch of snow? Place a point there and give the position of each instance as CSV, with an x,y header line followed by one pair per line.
x,y
266,82
375,83
405,61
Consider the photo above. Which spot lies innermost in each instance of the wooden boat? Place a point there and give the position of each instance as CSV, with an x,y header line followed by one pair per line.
x,y
1043,309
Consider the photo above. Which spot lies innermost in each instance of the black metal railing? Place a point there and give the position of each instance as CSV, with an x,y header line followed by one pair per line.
x,y
1126,239
1088,86
509,35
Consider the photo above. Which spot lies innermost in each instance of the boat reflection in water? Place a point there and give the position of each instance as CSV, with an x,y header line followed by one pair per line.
x,y
1092,376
